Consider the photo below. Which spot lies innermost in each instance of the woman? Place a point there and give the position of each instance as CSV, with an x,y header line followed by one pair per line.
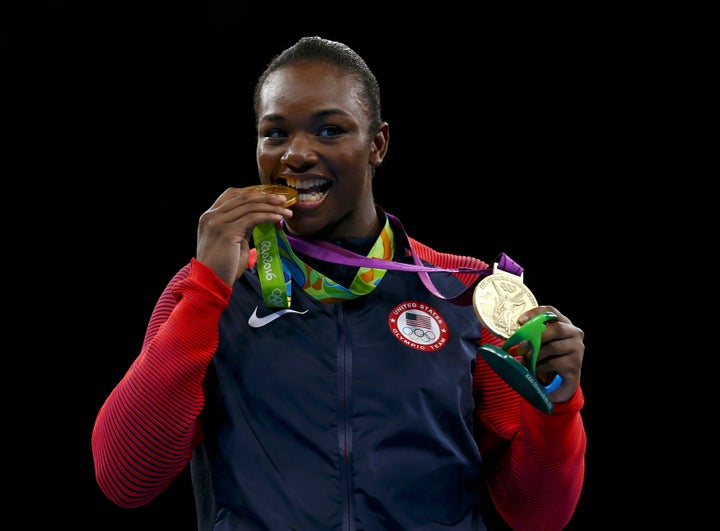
x,y
362,402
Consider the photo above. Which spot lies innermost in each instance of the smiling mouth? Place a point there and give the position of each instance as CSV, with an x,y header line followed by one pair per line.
x,y
309,190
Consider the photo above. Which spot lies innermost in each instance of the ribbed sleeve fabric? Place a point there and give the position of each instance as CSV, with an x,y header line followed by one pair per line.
x,y
535,462
145,431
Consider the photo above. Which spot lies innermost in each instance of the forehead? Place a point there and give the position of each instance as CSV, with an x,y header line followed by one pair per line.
x,y
313,86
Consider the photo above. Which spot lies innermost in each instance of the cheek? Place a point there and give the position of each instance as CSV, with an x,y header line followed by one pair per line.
x,y
265,161
351,157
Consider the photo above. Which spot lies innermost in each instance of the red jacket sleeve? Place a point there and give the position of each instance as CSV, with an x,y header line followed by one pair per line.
x,y
535,462
145,431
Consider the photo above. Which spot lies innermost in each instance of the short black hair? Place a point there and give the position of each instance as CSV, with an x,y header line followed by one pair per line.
x,y
319,50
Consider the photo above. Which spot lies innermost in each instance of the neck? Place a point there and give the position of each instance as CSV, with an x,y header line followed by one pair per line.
x,y
342,229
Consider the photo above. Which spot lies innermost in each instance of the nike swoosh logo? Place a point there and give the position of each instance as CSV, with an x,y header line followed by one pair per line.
x,y
257,322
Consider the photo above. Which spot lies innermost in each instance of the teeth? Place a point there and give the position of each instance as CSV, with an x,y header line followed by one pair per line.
x,y
300,184
315,196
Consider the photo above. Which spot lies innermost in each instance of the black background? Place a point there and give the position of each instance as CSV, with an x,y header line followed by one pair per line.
x,y
130,118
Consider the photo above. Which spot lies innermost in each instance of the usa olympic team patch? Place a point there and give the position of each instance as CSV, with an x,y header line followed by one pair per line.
x,y
418,325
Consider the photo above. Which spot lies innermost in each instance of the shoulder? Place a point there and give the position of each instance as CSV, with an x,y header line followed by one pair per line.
x,y
448,260
442,259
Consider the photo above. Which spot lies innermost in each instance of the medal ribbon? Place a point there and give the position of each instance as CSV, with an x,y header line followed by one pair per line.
x,y
276,289
325,289
328,252
278,265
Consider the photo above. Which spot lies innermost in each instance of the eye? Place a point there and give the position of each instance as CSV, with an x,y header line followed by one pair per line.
x,y
275,133
329,130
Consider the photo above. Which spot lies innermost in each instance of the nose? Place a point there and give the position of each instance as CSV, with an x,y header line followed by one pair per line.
x,y
300,153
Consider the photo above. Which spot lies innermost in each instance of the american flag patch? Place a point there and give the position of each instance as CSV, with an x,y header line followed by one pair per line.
x,y
414,319
418,325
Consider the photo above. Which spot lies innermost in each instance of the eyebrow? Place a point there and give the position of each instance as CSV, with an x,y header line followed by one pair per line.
x,y
320,114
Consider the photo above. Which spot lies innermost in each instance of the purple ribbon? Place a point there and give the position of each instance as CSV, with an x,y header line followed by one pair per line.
x,y
329,252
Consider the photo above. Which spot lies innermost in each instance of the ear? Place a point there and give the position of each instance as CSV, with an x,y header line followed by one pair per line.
x,y
379,146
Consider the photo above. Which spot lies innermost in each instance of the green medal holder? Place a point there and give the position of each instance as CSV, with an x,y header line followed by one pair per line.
x,y
520,377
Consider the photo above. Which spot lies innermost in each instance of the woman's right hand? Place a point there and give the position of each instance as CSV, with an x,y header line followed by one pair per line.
x,y
225,229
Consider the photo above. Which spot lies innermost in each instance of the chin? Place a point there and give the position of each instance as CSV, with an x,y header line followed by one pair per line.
x,y
299,228
309,228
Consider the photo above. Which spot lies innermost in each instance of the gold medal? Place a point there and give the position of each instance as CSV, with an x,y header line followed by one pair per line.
x,y
499,299
290,194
